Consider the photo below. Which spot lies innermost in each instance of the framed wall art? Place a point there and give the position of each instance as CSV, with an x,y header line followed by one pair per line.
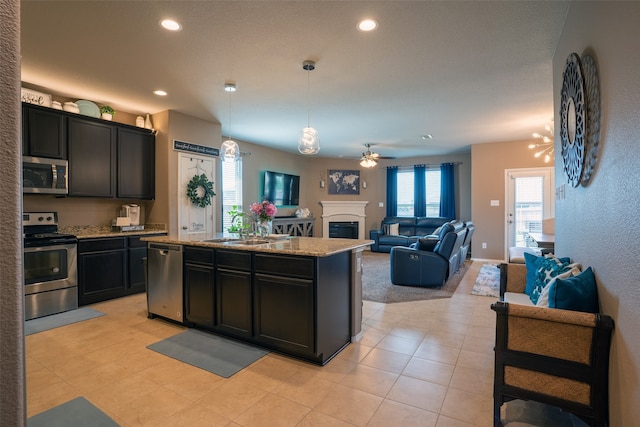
x,y
343,181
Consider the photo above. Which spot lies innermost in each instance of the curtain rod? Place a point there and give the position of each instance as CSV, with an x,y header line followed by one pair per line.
x,y
426,165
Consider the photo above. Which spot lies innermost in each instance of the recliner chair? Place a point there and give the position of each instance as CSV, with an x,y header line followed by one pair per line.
x,y
466,245
418,266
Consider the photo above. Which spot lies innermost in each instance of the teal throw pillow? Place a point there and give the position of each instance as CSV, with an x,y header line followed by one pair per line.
x,y
577,293
533,263
549,268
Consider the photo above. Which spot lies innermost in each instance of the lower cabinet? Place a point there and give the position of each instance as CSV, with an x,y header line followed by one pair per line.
x,y
110,267
233,293
199,283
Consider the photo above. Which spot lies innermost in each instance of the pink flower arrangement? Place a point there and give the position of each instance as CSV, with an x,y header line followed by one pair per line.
x,y
265,211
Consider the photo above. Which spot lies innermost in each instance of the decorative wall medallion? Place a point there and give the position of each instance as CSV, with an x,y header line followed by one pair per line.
x,y
572,120
592,93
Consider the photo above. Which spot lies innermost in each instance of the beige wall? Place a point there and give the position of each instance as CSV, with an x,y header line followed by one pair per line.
x,y
488,183
596,225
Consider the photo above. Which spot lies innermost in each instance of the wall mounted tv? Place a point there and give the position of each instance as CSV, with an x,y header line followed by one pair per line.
x,y
281,189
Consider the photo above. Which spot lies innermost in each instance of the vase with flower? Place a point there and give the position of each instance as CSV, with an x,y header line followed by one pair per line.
x,y
264,212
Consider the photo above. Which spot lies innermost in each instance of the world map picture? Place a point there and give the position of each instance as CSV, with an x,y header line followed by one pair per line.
x,y
343,181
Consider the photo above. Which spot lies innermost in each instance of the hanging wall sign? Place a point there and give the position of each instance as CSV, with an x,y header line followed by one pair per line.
x,y
195,148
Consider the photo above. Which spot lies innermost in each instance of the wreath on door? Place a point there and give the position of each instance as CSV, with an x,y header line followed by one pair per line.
x,y
200,191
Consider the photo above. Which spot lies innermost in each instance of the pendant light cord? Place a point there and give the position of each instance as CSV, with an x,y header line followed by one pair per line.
x,y
308,98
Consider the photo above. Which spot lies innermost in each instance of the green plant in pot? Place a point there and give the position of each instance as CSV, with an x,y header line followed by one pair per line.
x,y
107,112
237,223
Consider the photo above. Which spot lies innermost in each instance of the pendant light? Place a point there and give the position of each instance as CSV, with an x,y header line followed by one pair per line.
x,y
309,141
229,151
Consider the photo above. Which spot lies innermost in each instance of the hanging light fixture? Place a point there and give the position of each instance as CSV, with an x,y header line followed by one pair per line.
x,y
545,145
369,158
309,141
229,150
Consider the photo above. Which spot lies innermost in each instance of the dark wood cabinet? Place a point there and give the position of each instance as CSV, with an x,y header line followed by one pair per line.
x,y
199,285
111,267
136,164
234,293
92,158
43,133
102,266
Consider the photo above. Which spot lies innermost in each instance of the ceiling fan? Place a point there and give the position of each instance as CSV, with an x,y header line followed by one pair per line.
x,y
370,158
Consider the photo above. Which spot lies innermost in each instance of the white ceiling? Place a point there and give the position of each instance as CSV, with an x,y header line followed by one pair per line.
x,y
465,72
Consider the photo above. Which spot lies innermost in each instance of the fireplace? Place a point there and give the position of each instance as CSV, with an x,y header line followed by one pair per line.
x,y
343,229
343,212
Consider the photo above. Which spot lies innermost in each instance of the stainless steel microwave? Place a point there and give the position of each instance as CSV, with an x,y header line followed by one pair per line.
x,y
44,176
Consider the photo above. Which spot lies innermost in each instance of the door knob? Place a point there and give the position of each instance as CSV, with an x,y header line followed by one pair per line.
x,y
184,227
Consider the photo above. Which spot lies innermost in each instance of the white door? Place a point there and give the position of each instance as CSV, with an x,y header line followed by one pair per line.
x,y
194,222
529,200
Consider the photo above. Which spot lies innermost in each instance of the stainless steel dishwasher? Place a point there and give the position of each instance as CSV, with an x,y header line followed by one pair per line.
x,y
164,287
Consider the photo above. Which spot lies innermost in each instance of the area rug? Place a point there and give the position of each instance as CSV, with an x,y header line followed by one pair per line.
x,y
76,412
41,324
488,281
219,355
377,286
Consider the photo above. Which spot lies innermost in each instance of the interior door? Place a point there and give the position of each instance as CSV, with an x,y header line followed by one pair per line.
x,y
195,222
529,200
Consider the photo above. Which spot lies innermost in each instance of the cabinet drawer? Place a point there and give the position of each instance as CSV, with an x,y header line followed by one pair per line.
x,y
236,260
135,242
198,255
285,266
97,245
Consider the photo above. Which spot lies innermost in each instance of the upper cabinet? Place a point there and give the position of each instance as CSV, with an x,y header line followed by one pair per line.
x,y
43,133
106,159
136,164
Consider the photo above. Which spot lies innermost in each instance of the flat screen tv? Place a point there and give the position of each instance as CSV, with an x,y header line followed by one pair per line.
x,y
281,189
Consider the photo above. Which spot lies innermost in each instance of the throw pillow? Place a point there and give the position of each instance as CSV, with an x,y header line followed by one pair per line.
x,y
391,229
533,262
543,299
426,244
577,293
549,268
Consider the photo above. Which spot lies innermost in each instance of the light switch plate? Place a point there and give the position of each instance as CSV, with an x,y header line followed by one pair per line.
x,y
381,205
495,203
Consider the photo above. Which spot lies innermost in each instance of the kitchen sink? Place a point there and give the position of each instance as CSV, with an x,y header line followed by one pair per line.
x,y
249,242
222,240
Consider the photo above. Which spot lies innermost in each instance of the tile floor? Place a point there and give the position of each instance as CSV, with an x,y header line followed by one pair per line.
x,y
427,363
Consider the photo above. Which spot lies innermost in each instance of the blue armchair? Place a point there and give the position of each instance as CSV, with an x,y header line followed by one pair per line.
x,y
425,264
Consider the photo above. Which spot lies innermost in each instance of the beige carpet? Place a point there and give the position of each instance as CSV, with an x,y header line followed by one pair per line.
x,y
377,286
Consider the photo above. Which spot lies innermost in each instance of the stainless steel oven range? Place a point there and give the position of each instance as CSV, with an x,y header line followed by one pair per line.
x,y
50,266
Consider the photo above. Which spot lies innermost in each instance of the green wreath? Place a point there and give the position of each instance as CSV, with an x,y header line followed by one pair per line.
x,y
193,192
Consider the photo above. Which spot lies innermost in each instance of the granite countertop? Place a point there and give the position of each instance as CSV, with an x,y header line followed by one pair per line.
x,y
306,246
97,231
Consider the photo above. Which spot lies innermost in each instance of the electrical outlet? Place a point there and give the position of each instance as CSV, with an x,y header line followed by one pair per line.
x,y
484,245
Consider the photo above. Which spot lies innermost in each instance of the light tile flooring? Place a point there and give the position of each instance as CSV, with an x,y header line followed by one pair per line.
x,y
427,363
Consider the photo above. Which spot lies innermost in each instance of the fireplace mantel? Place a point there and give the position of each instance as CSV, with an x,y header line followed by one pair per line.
x,y
343,211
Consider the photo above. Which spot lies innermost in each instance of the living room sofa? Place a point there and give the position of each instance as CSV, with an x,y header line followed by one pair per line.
x,y
410,229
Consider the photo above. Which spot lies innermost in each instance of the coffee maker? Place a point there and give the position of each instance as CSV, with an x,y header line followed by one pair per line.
x,y
132,212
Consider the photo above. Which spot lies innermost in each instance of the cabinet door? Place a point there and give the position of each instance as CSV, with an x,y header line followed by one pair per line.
x,y
136,269
136,164
199,294
43,133
284,312
92,158
101,276
233,291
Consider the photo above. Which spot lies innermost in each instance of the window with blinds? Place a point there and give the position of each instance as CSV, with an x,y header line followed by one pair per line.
x,y
406,196
231,190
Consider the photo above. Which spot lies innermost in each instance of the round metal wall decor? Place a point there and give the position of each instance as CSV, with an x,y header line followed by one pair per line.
x,y
592,92
572,119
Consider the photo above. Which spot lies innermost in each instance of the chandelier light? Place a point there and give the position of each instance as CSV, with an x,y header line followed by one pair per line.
x,y
544,146
229,151
369,158
309,141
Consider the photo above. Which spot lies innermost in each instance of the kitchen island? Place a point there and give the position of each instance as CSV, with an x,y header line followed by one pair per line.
x,y
301,296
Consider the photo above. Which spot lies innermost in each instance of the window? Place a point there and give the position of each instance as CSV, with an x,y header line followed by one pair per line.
x,y
406,192
231,190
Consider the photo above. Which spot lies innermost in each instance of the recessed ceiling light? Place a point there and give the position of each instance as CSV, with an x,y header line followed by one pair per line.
x,y
160,92
426,136
171,25
230,87
367,25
